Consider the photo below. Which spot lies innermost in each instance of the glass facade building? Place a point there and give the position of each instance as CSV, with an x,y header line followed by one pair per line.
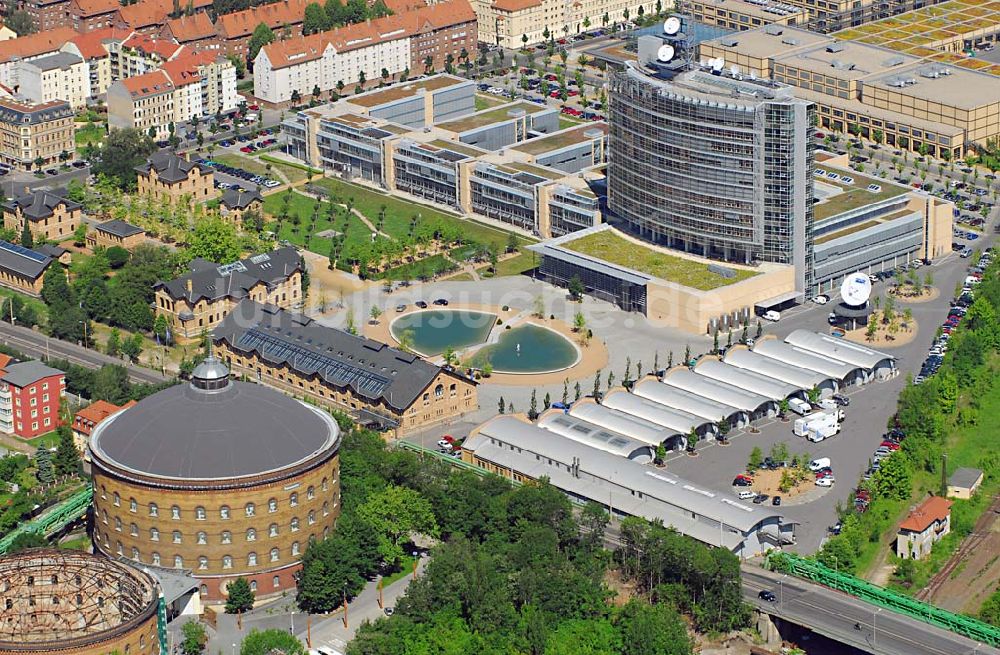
x,y
713,165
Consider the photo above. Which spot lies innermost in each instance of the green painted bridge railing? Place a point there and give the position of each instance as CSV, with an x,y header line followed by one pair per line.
x,y
53,519
876,595
447,459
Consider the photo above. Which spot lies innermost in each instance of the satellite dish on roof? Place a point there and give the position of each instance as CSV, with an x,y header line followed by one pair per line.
x,y
734,70
856,289
665,53
717,64
672,25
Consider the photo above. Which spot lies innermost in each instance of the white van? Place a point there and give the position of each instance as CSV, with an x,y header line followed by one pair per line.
x,y
772,315
799,406
746,494
818,464
828,403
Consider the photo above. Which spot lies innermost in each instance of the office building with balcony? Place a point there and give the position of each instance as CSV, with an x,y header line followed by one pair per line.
x,y
30,393
430,169
714,165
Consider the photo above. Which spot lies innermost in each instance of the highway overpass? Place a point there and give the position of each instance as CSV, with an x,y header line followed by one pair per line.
x,y
834,614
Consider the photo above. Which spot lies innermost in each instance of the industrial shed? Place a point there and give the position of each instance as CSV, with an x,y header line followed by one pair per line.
x,y
713,410
741,357
649,410
756,405
512,448
775,348
776,390
595,436
876,364
637,428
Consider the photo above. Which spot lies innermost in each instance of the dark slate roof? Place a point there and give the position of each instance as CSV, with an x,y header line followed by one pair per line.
x,y
51,250
24,373
212,281
21,114
21,261
965,477
169,166
40,204
119,228
240,199
58,60
368,368
243,429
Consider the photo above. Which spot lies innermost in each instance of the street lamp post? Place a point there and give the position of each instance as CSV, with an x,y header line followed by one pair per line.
x,y
291,630
874,630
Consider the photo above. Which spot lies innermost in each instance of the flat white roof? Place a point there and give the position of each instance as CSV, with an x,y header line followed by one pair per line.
x,y
684,400
675,419
683,378
774,389
786,352
741,357
595,436
839,349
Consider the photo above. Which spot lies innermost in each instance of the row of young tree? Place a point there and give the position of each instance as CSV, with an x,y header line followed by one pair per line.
x,y
515,569
929,414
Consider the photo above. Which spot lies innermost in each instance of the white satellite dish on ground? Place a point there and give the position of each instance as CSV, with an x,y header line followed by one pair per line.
x,y
672,25
665,53
856,289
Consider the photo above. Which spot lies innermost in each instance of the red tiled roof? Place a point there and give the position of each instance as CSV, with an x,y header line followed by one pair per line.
x,y
242,23
147,13
91,44
184,70
88,8
150,45
352,37
515,5
191,28
88,417
34,45
400,6
4,360
932,510
150,84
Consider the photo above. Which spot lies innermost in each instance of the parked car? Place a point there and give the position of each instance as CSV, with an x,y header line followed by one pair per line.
x,y
767,595
776,501
401,308
421,304
441,302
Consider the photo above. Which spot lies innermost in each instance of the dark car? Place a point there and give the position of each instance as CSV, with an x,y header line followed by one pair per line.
x,y
742,482
421,304
760,498
441,302
767,595
776,501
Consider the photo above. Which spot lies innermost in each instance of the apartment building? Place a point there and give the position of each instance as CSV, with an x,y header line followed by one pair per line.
x,y
376,384
27,48
148,16
49,215
172,179
145,103
195,30
235,29
94,48
29,133
140,54
30,393
115,233
341,55
506,22
47,14
198,301
90,15
909,102
60,76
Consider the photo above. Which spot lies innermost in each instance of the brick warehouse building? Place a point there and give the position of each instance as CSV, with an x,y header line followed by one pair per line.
x,y
219,479
30,393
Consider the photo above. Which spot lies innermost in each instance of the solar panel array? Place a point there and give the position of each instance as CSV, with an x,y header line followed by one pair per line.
x,y
24,252
303,359
226,269
596,434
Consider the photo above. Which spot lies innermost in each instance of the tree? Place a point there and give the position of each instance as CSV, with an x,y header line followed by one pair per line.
x,y
575,287
67,458
315,19
533,407
375,312
193,638
120,154
597,384
296,96
216,241
756,459
132,347
579,322
114,344
652,629
80,234
21,22
524,39
892,480
43,463
813,394
19,312
27,540
262,35
27,239
117,256
273,640
394,513
240,597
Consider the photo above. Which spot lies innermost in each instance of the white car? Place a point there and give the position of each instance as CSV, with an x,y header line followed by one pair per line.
x,y
821,299
444,444
825,482
772,315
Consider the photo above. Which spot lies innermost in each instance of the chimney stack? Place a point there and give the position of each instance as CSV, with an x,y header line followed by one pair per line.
x,y
190,287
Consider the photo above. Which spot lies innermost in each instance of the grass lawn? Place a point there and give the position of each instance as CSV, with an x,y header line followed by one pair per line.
x,y
428,267
461,277
292,172
79,543
485,102
40,308
855,196
524,261
90,133
248,164
49,440
565,121
613,248
405,569
302,206
399,212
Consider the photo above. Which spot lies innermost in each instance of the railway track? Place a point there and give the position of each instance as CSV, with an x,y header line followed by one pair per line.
x,y
968,546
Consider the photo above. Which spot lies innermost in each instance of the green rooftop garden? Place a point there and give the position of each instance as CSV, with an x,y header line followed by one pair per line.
x,y
854,196
615,249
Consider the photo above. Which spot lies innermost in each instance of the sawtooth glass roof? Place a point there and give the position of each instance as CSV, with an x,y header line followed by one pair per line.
x,y
595,436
